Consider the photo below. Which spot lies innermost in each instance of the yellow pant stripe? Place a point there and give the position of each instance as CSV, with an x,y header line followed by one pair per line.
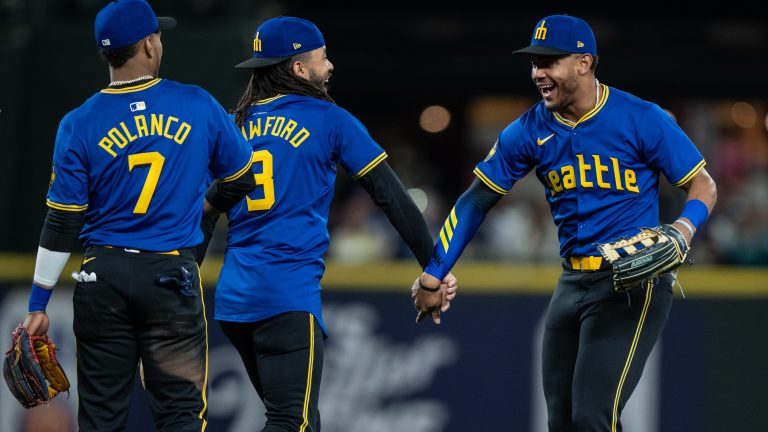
x,y
305,412
205,378
628,363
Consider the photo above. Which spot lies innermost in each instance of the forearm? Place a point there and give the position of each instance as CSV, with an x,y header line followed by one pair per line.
x,y
701,199
460,227
386,190
222,196
57,239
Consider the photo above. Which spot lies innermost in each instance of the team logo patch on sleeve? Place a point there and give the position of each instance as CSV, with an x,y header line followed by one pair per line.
x,y
138,106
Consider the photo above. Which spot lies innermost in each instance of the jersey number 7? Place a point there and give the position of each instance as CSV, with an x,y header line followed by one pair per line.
x,y
155,161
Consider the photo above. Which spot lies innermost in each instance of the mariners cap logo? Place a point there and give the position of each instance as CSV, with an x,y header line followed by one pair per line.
x,y
541,31
256,43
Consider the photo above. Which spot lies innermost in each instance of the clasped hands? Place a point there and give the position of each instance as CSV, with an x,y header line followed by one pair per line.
x,y
432,296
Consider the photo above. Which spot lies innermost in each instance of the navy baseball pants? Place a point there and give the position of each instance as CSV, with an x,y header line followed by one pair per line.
x,y
596,343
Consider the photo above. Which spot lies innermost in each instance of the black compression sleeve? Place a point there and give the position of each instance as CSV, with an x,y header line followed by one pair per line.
x,y
388,192
223,195
60,230
481,196
207,226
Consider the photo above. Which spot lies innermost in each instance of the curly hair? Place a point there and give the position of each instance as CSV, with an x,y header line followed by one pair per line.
x,y
273,80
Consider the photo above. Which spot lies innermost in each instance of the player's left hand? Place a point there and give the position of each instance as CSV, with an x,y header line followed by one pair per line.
x,y
433,302
37,323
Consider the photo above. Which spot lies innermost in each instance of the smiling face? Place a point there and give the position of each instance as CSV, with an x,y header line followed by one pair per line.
x,y
314,66
561,80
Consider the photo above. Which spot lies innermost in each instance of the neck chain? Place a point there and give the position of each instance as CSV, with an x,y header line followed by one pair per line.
x,y
117,83
597,92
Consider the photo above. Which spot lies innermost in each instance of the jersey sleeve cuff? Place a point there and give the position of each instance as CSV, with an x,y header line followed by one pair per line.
x,y
692,173
371,165
493,186
66,207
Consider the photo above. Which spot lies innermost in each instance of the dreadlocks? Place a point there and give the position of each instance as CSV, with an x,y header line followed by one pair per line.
x,y
277,79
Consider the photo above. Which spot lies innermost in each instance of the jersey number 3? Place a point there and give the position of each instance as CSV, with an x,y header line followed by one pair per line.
x,y
155,161
263,179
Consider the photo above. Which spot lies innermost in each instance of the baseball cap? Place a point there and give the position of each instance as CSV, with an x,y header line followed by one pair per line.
x,y
559,35
279,38
125,22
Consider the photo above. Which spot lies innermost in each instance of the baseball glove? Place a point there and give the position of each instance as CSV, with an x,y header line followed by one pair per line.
x,y
645,255
31,370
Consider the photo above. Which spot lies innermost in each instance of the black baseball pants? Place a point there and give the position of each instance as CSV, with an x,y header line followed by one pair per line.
x,y
124,317
596,343
283,356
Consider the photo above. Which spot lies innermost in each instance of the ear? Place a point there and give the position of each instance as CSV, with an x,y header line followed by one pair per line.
x,y
299,69
146,45
585,62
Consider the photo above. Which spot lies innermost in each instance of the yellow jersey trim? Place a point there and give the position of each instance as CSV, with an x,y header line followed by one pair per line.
x,y
66,207
371,165
268,100
692,173
308,391
238,173
132,89
494,187
600,104
631,355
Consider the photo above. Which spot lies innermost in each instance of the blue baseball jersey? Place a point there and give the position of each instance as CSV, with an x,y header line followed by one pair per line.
x,y
600,174
278,234
136,160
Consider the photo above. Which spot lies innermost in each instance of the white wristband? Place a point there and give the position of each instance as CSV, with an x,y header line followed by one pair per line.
x,y
686,225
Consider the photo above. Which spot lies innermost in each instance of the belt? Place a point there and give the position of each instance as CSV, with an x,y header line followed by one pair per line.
x,y
588,263
138,251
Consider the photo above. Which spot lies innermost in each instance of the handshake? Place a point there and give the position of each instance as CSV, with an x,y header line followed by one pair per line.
x,y
432,296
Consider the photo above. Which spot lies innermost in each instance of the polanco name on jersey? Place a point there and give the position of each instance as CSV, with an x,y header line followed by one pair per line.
x,y
159,125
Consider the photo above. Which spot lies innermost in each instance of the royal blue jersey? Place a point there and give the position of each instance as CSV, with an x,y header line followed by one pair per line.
x,y
600,174
278,234
136,159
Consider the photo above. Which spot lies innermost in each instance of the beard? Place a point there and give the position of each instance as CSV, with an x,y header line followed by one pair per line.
x,y
565,94
321,81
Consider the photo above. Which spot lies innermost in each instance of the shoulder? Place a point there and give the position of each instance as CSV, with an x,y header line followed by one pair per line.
x,y
527,124
630,102
188,90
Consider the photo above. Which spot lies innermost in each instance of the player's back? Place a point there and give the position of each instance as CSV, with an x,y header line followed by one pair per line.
x,y
294,163
278,234
137,159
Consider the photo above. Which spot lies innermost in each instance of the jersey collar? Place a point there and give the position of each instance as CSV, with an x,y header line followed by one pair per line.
x,y
268,100
600,104
132,89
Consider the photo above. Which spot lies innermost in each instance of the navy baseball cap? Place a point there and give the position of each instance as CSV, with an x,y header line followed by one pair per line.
x,y
279,38
125,22
560,35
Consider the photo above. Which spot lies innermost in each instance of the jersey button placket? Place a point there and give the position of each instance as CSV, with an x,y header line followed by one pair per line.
x,y
576,149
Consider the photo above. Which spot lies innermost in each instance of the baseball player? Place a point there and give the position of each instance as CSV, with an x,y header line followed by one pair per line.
x,y
129,176
599,153
268,293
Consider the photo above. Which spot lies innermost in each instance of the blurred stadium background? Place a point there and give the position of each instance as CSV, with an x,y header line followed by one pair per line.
x,y
434,86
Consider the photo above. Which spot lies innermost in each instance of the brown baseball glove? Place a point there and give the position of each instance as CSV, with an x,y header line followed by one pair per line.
x,y
31,370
